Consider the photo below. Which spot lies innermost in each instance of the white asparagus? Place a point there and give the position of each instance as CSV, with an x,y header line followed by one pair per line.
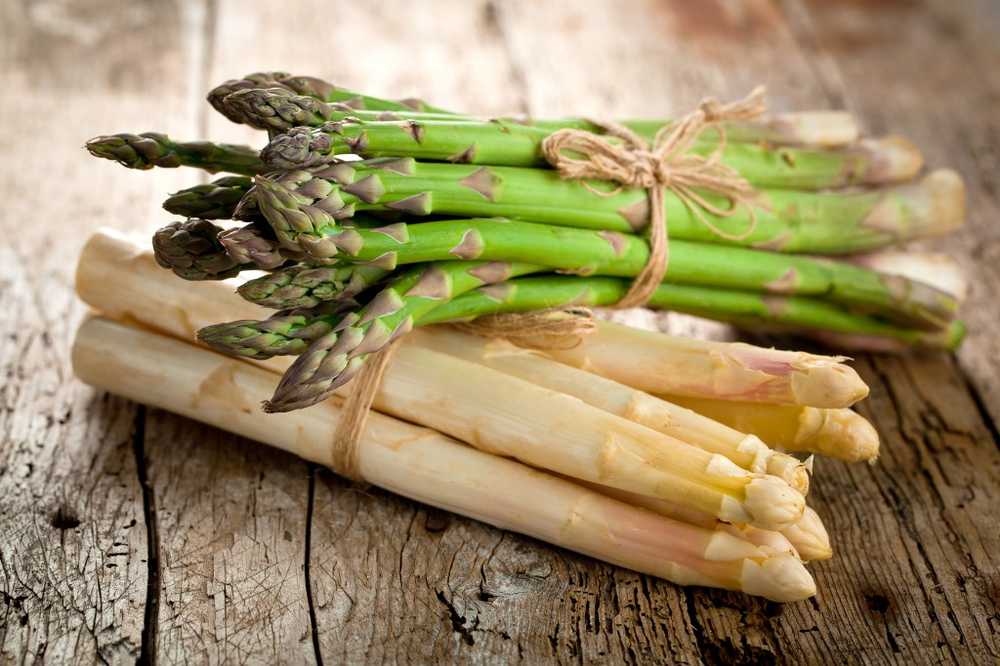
x,y
666,364
837,433
747,451
488,409
429,467
807,538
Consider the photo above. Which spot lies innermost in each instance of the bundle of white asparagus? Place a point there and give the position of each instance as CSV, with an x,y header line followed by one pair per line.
x,y
665,455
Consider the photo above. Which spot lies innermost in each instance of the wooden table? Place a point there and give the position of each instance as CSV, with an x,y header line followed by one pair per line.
x,y
127,532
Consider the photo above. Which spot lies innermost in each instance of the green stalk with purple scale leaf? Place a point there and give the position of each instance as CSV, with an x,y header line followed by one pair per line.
x,y
755,312
586,252
503,143
278,108
786,220
216,200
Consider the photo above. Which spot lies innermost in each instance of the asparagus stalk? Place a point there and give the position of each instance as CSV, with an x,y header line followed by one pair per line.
x,y
837,433
752,311
151,149
210,201
310,87
502,143
587,252
787,220
749,452
807,537
432,468
119,278
278,109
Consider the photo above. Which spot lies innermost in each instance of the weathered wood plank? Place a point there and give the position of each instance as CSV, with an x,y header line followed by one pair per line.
x,y
73,557
231,516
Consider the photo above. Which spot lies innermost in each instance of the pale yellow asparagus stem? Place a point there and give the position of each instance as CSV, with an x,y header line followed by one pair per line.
x,y
837,433
938,270
429,467
666,364
486,408
501,413
747,451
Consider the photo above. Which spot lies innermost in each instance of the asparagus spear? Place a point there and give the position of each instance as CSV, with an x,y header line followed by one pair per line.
x,y
311,87
748,452
504,143
210,201
588,252
787,220
278,109
432,468
151,149
746,309
838,433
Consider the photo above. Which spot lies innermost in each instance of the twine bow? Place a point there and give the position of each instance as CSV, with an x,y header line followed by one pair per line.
x,y
667,164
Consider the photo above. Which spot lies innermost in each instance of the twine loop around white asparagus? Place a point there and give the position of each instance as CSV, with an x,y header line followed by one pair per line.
x,y
665,164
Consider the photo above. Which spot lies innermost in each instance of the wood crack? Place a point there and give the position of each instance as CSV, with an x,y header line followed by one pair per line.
x,y
151,613
313,624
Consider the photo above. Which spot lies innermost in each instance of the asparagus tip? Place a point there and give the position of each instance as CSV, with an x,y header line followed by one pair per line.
x,y
828,385
810,538
772,503
780,578
946,191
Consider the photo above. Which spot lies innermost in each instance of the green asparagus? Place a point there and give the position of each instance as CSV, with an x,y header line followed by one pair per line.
x,y
786,220
211,201
151,149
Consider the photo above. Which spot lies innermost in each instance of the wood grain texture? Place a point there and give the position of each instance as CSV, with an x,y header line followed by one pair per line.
x,y
258,559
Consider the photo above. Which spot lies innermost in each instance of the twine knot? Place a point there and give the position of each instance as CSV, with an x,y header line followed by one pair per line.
x,y
667,163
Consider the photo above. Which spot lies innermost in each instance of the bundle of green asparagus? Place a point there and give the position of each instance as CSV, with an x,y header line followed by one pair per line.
x,y
371,218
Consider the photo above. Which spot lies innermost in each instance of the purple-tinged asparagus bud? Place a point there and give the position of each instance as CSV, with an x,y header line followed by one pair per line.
x,y
192,250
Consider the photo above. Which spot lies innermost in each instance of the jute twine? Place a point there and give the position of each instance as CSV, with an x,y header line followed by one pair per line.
x,y
623,157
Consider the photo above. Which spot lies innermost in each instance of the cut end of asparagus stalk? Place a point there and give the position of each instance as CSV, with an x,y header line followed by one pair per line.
x,y
771,502
891,159
947,194
809,537
931,207
781,578
815,128
937,270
